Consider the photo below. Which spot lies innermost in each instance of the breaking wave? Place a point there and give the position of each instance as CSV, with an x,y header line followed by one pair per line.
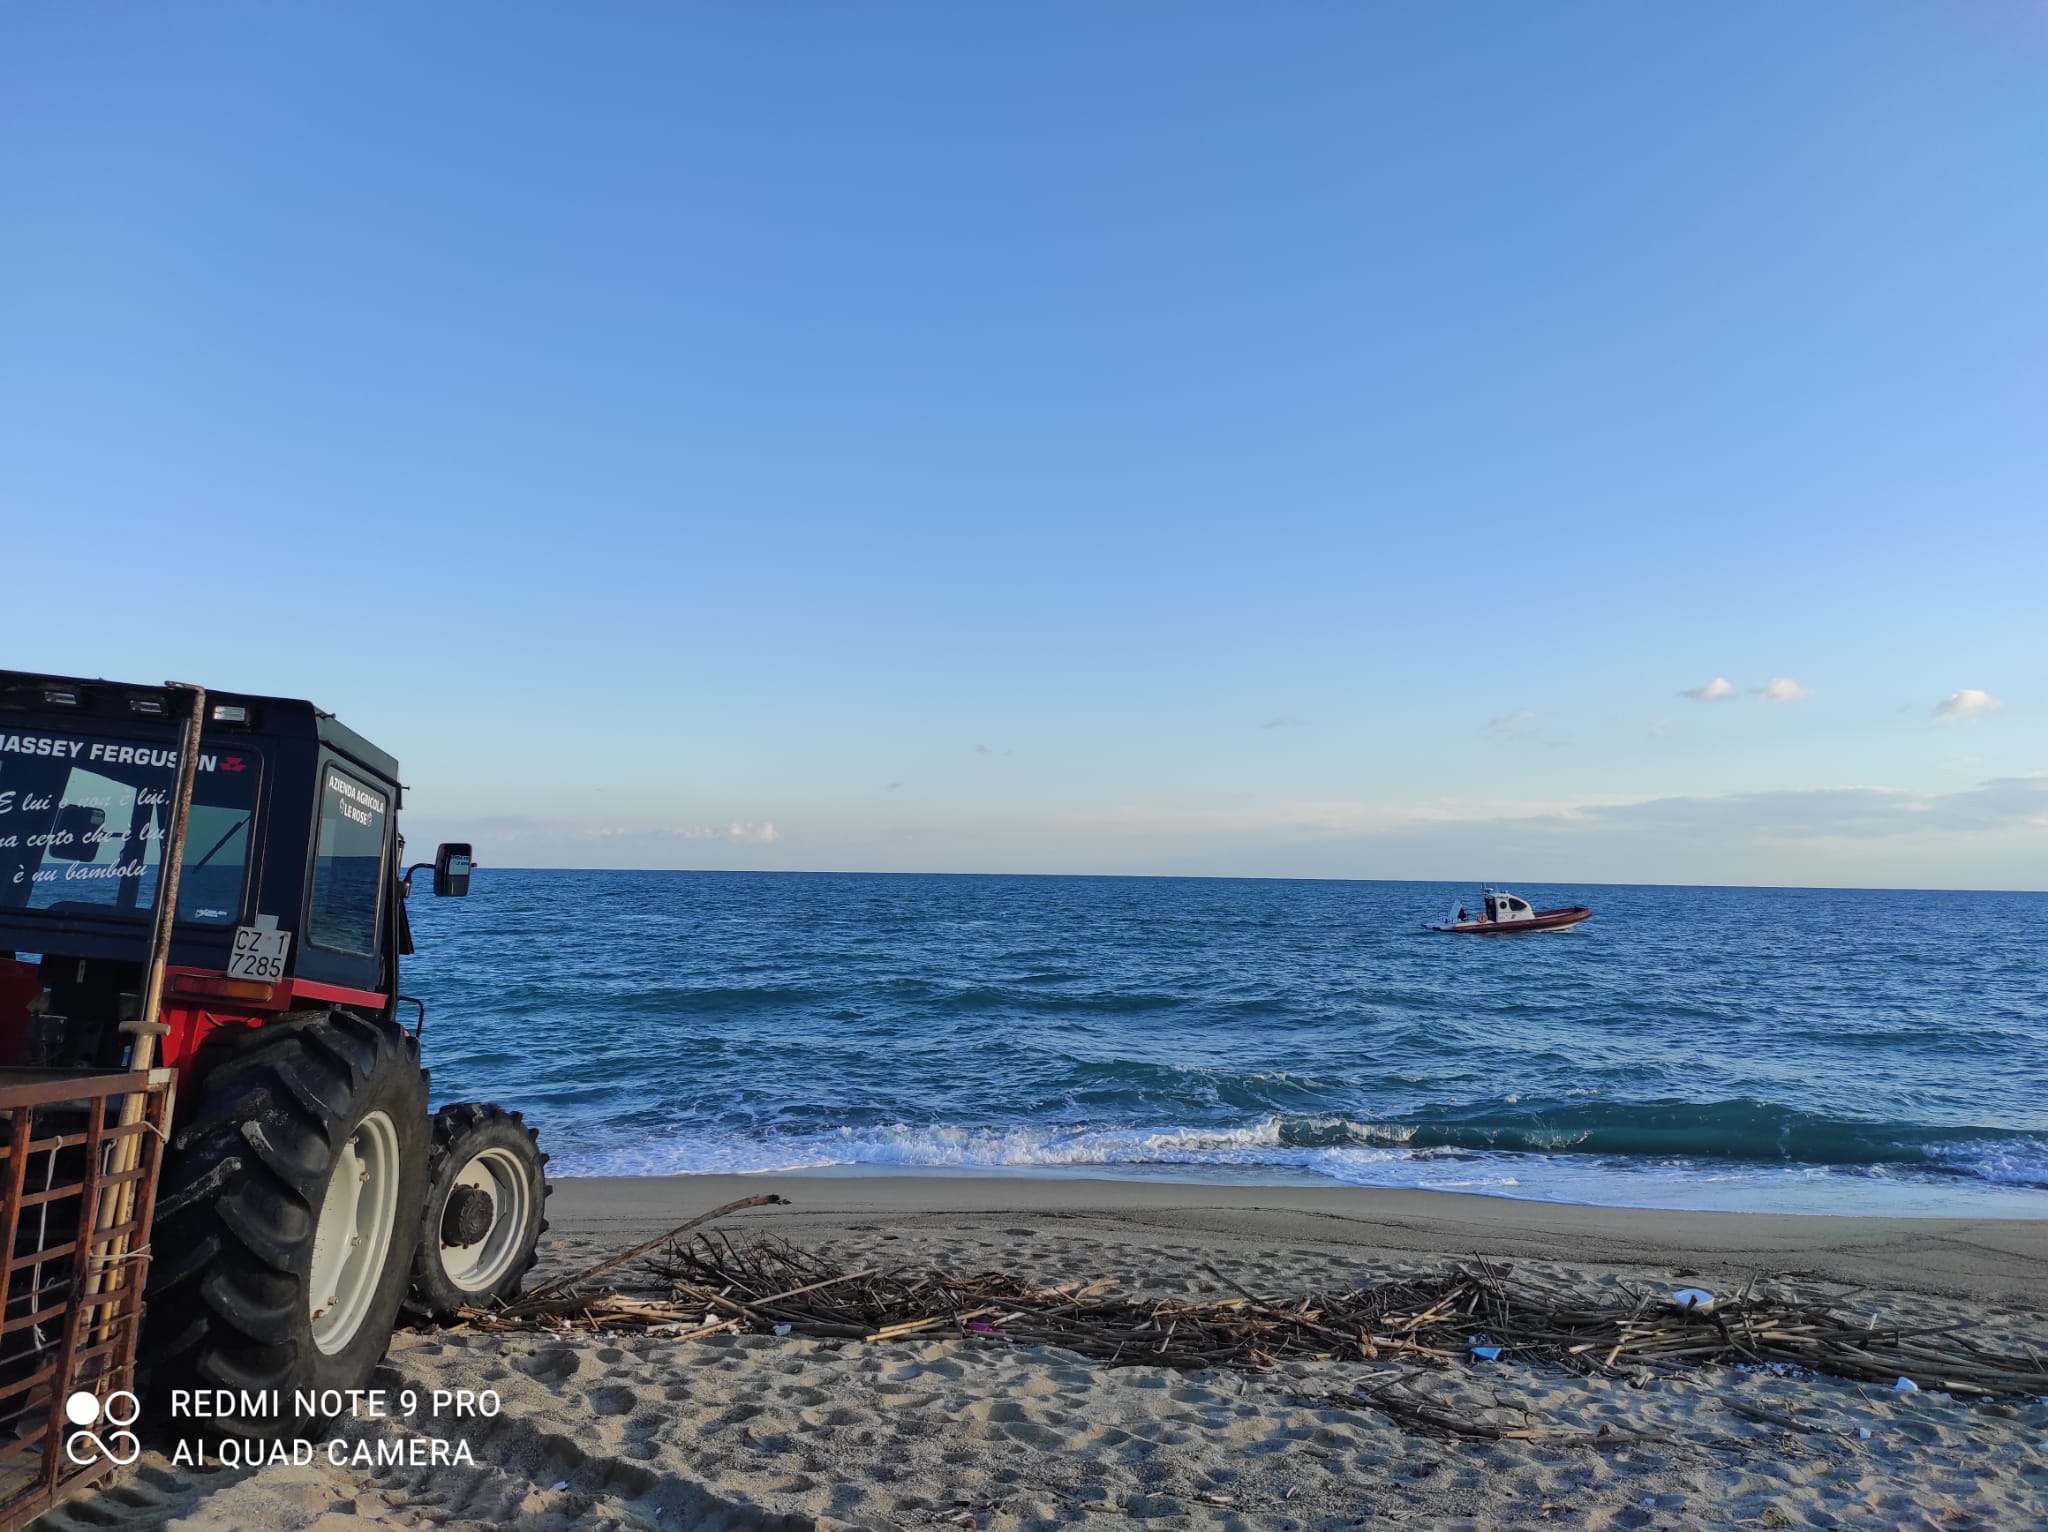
x,y
1478,1152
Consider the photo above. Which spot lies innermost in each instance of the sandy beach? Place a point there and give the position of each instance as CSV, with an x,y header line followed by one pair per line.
x,y
732,1431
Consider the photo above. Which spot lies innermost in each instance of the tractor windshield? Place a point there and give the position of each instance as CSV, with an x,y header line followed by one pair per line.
x,y
83,819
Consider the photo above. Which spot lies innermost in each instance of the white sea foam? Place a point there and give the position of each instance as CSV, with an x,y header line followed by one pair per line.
x,y
935,1147
1260,1152
2001,1161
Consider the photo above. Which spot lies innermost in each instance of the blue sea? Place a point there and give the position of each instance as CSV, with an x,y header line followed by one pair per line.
x,y
1764,1049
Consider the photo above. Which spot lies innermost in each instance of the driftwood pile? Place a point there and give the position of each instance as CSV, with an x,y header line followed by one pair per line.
x,y
768,1286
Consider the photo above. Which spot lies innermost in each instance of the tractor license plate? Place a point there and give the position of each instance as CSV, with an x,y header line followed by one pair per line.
x,y
260,951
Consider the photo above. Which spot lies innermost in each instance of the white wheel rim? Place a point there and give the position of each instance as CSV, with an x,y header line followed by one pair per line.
x,y
353,1240
501,1176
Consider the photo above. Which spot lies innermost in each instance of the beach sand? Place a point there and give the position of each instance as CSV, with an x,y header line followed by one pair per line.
x,y
781,1432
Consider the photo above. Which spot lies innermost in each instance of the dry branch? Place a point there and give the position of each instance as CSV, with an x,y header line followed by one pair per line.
x,y
613,1262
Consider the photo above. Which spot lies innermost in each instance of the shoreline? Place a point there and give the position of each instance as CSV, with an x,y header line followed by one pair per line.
x,y
1739,1189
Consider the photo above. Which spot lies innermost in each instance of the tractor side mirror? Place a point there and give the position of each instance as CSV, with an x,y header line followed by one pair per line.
x,y
451,870
75,836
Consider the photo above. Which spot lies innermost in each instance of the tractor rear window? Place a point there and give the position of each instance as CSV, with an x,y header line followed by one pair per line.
x,y
83,819
348,864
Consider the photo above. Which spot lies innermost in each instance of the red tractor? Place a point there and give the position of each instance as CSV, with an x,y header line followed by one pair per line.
x,y
216,884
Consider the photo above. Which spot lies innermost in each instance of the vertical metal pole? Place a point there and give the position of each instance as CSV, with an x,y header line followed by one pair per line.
x,y
81,1294
15,1179
154,1132
17,1419
148,1026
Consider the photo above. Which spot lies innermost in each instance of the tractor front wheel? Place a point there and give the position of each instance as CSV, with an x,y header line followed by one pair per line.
x,y
286,1225
487,1194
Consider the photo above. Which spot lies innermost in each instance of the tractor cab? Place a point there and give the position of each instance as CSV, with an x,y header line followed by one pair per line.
x,y
290,889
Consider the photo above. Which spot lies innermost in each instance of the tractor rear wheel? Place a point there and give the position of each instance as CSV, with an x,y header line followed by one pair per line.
x,y
487,1195
285,1226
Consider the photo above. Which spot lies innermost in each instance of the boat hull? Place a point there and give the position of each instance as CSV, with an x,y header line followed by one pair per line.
x,y
1541,920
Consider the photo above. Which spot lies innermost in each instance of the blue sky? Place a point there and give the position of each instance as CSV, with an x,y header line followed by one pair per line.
x,y
1319,439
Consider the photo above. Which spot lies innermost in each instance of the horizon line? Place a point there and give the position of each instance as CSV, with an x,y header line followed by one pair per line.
x,y
1233,877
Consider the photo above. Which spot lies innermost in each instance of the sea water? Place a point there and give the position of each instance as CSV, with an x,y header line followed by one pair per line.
x,y
1765,1049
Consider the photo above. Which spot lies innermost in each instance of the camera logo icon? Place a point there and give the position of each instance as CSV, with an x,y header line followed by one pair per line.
x,y
118,1411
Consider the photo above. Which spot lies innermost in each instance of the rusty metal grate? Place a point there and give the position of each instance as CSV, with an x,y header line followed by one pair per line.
x,y
79,1155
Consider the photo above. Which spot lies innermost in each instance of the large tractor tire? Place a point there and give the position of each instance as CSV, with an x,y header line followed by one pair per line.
x,y
487,1191
287,1217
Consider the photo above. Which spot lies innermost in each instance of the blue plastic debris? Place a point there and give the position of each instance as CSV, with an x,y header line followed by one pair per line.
x,y
1693,1298
1483,1348
1905,1386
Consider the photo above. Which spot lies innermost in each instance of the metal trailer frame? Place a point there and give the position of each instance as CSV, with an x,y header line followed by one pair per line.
x,y
78,1180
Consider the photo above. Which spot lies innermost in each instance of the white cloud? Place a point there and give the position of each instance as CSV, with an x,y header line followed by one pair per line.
x,y
1303,818
1281,723
1988,836
1783,689
740,832
1723,820
1512,723
1967,703
1713,691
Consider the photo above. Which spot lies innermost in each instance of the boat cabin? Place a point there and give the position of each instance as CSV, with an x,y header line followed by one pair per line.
x,y
1504,906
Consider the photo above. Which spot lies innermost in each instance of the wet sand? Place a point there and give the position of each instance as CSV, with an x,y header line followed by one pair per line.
x,y
1976,1258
